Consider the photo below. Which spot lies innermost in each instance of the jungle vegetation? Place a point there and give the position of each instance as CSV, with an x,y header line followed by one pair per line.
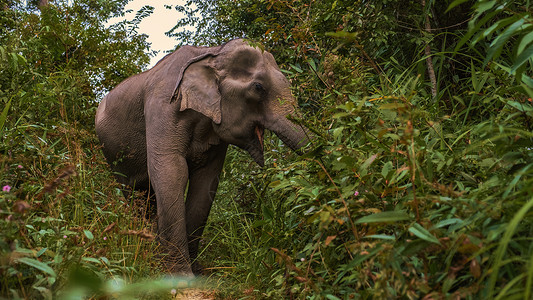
x,y
418,185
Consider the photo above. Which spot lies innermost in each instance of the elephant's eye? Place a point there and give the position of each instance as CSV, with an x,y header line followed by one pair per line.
x,y
259,88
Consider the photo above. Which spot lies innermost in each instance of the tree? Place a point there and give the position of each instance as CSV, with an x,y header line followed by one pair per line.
x,y
59,57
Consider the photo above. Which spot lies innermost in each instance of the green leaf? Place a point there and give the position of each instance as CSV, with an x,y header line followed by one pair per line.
x,y
38,265
3,116
447,222
483,6
527,80
502,247
41,252
267,213
20,57
14,60
523,107
311,63
525,40
518,176
384,217
92,259
105,260
368,162
381,237
386,171
423,233
496,26
393,106
475,81
454,4
298,69
522,58
497,44
529,283
3,54
343,35
88,234
528,89
473,30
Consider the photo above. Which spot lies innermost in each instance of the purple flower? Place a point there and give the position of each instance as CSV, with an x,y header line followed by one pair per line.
x,y
6,188
64,236
356,193
20,166
105,238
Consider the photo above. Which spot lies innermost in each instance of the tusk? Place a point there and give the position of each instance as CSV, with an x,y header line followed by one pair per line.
x,y
259,132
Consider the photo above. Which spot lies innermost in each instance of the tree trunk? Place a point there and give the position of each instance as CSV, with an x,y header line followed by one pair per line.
x,y
427,53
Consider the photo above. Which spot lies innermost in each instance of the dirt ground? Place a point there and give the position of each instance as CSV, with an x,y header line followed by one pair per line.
x,y
195,294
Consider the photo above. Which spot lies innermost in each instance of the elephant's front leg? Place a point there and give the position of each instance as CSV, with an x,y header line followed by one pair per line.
x,y
169,175
203,185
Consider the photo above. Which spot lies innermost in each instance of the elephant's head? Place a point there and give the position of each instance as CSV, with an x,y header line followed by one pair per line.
x,y
243,91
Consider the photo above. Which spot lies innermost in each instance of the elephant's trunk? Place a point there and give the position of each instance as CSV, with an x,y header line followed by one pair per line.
x,y
293,135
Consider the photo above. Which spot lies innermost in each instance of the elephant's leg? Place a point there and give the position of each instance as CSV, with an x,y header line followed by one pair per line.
x,y
203,185
169,175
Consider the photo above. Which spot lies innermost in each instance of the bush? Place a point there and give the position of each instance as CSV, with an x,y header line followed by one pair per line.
x,y
417,185
406,193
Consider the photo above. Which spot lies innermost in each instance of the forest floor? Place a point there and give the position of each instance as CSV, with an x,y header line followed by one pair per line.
x,y
195,294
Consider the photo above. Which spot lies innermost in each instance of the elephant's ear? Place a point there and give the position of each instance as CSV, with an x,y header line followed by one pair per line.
x,y
197,87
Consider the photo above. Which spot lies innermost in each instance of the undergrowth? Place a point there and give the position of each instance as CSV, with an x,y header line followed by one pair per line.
x,y
417,185
64,222
392,203
66,231
407,193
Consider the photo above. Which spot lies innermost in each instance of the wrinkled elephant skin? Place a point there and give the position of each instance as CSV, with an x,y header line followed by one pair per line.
x,y
172,124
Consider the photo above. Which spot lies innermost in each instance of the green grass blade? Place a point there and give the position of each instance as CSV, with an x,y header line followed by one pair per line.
x,y
384,217
509,285
529,281
423,233
502,247
526,40
497,44
474,30
522,58
3,116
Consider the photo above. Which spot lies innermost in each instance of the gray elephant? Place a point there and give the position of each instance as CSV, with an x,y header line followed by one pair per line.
x,y
172,125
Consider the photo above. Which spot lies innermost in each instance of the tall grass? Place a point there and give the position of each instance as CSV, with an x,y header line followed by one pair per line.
x,y
396,200
64,222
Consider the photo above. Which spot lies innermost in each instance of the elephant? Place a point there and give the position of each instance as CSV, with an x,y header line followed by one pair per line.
x,y
168,129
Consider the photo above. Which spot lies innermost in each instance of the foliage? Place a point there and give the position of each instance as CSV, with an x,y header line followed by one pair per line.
x,y
65,229
404,195
510,22
63,222
53,60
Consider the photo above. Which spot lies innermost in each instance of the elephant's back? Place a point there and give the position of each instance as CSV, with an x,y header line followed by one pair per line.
x,y
121,112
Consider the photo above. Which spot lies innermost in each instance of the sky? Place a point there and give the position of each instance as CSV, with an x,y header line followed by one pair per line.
x,y
155,26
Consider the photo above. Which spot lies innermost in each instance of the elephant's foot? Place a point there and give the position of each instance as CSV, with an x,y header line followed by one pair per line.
x,y
198,269
175,267
179,270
